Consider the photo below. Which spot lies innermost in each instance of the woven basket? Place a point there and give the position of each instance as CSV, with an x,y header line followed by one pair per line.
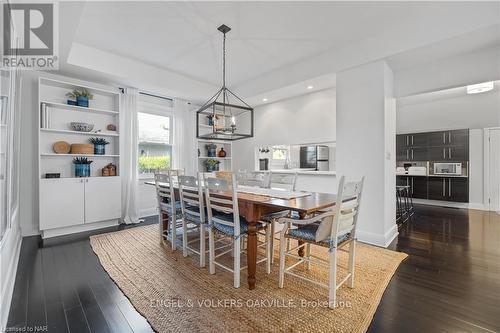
x,y
82,148
61,147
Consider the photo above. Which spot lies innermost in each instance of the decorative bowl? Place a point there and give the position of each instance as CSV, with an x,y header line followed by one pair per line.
x,y
82,127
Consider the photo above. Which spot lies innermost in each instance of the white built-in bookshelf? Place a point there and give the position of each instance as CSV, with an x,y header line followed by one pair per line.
x,y
225,162
70,204
103,110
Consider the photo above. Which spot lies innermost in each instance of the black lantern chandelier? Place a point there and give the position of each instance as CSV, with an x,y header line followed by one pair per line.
x,y
225,116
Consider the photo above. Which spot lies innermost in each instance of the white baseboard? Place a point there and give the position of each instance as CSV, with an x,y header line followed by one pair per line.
x,y
148,212
463,205
78,228
381,240
9,275
30,232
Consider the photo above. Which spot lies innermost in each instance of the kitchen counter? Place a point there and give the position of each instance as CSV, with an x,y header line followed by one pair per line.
x,y
442,176
303,172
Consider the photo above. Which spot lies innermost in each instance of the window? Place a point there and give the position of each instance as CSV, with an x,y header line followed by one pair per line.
x,y
155,138
279,156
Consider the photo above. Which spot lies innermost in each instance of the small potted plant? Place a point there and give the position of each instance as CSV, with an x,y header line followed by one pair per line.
x,y
211,150
82,166
99,145
81,97
212,165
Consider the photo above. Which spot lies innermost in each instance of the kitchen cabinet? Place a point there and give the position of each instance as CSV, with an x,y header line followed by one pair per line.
x,y
455,153
411,154
418,187
411,140
417,184
448,189
68,202
458,189
448,138
437,188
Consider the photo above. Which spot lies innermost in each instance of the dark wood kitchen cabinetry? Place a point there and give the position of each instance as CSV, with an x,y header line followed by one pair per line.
x,y
433,146
436,188
458,189
455,153
417,184
448,138
448,189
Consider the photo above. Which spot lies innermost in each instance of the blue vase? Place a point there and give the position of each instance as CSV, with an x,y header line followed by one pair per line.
x,y
82,170
99,149
211,150
82,101
210,168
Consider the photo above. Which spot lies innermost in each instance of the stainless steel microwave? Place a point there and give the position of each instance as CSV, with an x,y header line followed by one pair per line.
x,y
448,169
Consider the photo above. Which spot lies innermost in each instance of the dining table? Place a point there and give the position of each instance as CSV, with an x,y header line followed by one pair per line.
x,y
254,206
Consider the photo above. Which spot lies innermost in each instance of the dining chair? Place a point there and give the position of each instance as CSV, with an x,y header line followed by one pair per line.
x,y
164,182
194,214
252,178
225,222
284,181
333,229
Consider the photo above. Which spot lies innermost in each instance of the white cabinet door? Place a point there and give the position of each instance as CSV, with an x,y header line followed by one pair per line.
x,y
102,199
61,202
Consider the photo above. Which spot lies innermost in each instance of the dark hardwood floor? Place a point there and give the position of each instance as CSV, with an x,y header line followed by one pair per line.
x,y
449,283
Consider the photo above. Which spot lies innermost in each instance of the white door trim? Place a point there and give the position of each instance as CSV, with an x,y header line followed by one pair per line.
x,y
487,182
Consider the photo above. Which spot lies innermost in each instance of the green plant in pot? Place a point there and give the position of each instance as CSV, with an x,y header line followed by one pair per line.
x,y
81,97
82,166
99,145
212,165
211,150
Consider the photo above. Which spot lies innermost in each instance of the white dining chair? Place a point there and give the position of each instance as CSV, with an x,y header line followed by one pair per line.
x,y
252,178
167,203
193,215
283,181
333,229
225,222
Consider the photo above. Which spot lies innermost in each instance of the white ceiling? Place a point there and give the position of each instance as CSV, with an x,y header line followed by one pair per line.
x,y
273,45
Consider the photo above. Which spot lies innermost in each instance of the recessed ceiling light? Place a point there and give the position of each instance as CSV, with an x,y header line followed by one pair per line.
x,y
310,87
480,87
264,100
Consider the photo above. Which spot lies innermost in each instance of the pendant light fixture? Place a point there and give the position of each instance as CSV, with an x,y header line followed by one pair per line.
x,y
225,116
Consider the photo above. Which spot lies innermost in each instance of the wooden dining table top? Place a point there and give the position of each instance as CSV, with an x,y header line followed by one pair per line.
x,y
311,203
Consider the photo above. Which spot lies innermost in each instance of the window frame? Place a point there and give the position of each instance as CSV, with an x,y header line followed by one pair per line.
x,y
157,110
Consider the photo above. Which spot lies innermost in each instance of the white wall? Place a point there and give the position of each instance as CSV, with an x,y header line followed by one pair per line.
x,y
475,112
456,112
366,146
304,119
474,67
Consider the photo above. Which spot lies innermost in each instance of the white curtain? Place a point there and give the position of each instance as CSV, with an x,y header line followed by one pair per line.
x,y
129,155
184,137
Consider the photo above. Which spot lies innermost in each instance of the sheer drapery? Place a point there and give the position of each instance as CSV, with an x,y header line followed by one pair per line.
x,y
129,161
184,137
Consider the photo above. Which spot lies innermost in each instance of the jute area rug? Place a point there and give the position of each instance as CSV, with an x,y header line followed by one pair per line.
x,y
176,295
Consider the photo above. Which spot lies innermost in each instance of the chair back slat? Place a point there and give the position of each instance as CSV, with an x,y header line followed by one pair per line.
x,y
345,212
255,179
217,205
191,195
284,181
